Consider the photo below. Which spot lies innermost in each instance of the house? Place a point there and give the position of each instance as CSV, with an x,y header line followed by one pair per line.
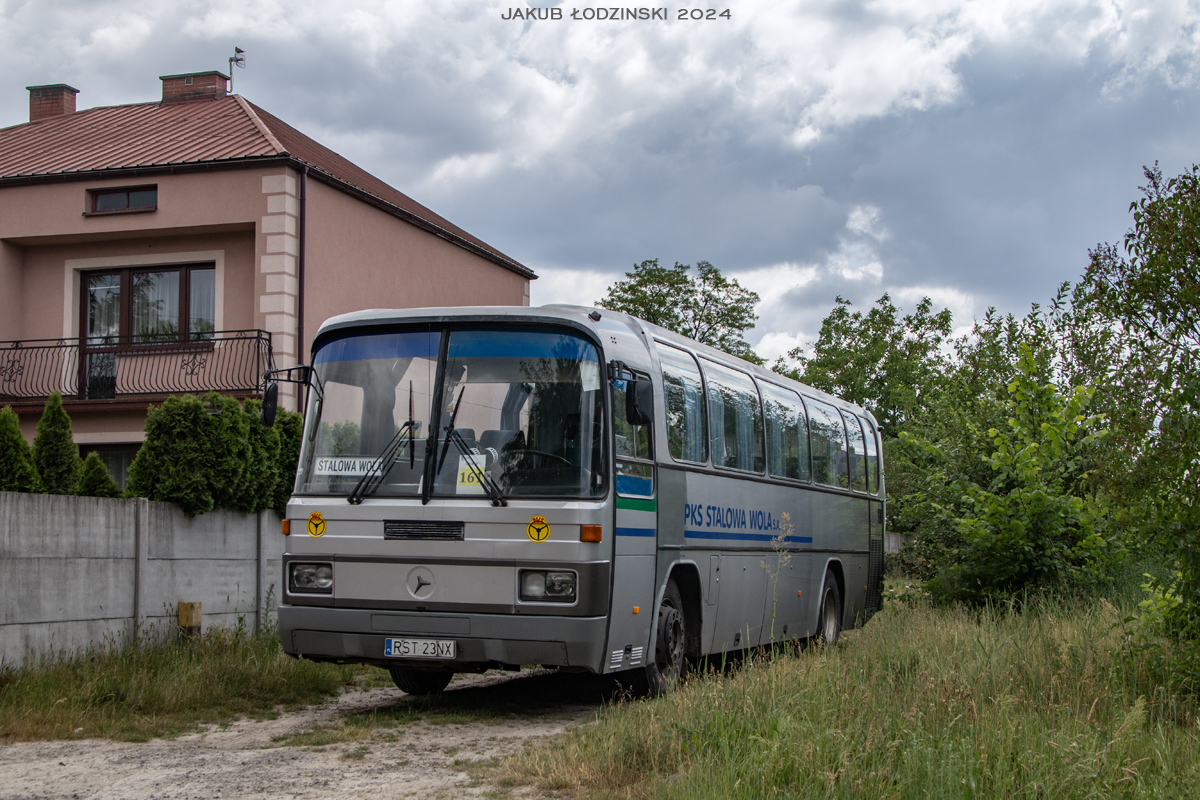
x,y
187,244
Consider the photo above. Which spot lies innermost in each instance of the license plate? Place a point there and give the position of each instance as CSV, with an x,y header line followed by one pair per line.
x,y
419,648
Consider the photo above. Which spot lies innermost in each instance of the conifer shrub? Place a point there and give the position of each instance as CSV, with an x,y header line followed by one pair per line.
x,y
175,463
228,448
17,471
95,480
212,452
291,431
54,452
262,462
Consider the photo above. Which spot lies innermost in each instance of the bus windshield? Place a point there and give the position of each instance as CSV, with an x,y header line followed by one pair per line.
x,y
526,404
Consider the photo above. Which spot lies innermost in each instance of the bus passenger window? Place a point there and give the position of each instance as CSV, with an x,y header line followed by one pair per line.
x,y
687,437
857,452
787,433
735,414
872,457
828,445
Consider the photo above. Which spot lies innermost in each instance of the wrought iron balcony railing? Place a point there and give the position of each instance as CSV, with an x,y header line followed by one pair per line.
x,y
119,366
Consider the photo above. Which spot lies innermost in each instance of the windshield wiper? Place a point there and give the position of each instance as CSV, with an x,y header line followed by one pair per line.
x,y
375,471
485,480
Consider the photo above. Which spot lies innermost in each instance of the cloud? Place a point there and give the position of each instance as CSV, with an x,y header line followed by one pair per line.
x,y
966,148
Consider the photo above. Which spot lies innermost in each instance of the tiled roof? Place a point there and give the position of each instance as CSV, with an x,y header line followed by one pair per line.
x,y
229,129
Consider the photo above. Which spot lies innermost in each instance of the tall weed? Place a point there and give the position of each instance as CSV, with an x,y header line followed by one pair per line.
x,y
924,702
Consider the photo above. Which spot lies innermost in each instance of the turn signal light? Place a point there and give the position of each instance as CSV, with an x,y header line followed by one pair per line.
x,y
286,528
590,533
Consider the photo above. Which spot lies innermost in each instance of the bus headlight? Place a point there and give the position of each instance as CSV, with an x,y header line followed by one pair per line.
x,y
315,578
548,586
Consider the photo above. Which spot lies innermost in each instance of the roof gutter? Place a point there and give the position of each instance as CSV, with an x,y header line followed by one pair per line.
x,y
304,167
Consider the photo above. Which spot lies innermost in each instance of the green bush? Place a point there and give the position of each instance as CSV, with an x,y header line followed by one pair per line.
x,y
54,452
17,471
262,463
291,431
212,452
94,479
175,463
1035,524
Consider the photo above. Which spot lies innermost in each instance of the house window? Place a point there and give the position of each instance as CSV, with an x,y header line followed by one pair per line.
x,y
144,306
133,198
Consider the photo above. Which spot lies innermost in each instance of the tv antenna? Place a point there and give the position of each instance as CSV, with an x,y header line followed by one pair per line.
x,y
238,59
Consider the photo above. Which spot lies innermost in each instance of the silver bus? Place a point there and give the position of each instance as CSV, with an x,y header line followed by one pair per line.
x,y
483,488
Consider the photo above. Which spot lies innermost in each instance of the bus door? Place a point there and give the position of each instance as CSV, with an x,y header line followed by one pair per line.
x,y
635,528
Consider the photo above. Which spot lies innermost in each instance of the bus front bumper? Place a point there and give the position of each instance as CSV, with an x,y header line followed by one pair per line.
x,y
481,640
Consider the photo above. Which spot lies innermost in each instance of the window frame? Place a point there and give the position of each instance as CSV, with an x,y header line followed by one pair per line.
x,y
125,334
94,195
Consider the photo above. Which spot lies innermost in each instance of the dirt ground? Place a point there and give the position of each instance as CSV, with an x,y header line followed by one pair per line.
x,y
428,753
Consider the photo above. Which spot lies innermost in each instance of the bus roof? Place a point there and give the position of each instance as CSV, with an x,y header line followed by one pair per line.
x,y
577,316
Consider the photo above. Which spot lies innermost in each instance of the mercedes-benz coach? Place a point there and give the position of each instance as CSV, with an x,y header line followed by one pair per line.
x,y
571,487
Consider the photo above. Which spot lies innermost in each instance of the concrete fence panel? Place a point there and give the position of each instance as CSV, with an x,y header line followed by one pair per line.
x,y
80,572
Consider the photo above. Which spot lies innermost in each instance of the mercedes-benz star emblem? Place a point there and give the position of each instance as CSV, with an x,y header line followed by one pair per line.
x,y
420,583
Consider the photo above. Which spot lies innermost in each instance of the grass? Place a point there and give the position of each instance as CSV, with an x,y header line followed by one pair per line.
x,y
922,703
146,690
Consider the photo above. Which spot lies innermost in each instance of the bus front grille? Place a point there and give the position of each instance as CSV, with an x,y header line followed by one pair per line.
x,y
413,529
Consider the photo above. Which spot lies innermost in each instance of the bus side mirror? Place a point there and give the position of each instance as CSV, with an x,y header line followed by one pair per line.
x,y
270,404
639,402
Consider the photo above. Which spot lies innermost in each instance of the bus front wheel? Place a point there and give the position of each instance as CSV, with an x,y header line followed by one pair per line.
x,y
669,644
420,681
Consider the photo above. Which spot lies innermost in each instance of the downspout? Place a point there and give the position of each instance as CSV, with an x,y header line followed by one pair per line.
x,y
300,268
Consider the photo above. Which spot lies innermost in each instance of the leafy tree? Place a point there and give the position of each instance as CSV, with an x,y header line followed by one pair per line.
x,y
1152,292
708,307
17,471
95,480
1037,520
291,431
892,366
54,452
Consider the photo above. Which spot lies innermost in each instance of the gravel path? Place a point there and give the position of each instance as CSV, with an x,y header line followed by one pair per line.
x,y
496,714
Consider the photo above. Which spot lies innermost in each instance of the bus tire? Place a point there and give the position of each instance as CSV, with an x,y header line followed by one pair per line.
x,y
670,644
829,623
420,682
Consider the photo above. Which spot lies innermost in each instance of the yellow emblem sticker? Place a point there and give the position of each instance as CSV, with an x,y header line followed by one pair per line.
x,y
538,529
316,524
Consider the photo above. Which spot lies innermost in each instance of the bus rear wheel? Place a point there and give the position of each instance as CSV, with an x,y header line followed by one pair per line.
x,y
830,622
420,682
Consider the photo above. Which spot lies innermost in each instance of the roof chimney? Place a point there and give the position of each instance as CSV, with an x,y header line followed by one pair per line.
x,y
51,100
194,86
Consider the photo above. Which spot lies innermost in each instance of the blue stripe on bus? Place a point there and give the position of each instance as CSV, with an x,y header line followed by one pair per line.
x,y
648,532
744,537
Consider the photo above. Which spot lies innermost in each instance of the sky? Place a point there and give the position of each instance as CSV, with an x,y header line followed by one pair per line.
x,y
971,152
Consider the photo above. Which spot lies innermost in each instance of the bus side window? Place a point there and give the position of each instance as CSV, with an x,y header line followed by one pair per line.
x,y
872,457
787,433
631,440
857,453
687,433
635,469
828,444
735,414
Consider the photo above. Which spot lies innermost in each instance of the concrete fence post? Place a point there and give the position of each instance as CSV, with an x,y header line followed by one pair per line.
x,y
141,551
259,611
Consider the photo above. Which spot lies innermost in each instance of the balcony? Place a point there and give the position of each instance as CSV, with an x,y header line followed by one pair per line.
x,y
133,368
